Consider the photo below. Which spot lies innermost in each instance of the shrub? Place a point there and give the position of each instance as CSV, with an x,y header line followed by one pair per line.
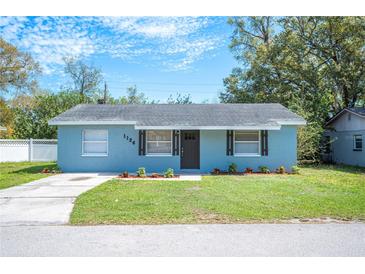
x,y
248,170
295,169
155,175
141,172
169,173
264,169
125,174
281,170
216,171
232,168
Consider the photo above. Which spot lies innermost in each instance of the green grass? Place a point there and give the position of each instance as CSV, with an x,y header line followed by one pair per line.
x,y
325,191
13,174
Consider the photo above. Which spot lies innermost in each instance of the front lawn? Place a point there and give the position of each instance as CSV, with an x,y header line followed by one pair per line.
x,y
325,191
13,174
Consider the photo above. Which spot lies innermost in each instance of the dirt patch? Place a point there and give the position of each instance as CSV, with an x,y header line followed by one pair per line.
x,y
203,216
323,220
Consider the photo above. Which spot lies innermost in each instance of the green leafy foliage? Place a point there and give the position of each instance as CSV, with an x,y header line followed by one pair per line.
x,y
141,172
232,168
312,65
264,169
169,173
295,169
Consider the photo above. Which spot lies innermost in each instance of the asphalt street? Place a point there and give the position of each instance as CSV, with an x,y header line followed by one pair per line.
x,y
185,240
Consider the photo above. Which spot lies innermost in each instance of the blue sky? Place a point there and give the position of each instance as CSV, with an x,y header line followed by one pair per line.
x,y
160,55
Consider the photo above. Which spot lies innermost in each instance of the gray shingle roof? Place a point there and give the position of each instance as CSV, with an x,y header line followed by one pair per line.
x,y
358,110
179,116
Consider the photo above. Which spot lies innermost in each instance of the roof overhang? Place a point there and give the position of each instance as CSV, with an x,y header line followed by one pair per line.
x,y
269,127
80,123
340,113
291,123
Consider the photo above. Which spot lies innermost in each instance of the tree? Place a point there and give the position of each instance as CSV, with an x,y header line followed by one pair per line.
x,y
133,97
86,78
31,120
312,65
180,99
17,69
6,119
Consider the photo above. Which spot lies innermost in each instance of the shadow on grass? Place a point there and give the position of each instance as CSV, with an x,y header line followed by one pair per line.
x,y
36,169
337,167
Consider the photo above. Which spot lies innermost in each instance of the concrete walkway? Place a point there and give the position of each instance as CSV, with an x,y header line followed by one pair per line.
x,y
185,240
46,201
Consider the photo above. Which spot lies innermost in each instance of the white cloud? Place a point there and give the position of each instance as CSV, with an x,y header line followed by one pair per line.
x,y
174,42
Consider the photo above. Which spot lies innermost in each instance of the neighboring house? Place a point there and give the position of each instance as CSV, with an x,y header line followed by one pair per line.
x,y
2,128
197,137
344,137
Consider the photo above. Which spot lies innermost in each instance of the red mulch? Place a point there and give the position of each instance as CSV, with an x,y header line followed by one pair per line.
x,y
149,176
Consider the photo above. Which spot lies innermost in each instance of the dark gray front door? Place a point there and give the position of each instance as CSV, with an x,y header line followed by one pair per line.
x,y
190,152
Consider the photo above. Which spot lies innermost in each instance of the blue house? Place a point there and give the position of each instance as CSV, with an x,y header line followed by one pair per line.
x,y
344,137
193,137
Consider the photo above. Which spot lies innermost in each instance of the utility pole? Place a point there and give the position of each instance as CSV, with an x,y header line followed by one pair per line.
x,y
105,92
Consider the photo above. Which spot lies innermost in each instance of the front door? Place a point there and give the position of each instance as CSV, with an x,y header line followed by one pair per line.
x,y
190,152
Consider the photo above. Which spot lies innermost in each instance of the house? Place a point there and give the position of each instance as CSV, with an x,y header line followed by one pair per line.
x,y
195,137
344,137
2,128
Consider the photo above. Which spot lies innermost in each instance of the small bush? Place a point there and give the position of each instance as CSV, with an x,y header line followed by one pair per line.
x,y
169,173
264,169
295,169
232,168
125,174
281,170
216,171
248,170
155,175
141,172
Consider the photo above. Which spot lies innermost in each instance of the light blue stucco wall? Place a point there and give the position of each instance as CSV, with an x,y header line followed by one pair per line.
x,y
342,148
123,155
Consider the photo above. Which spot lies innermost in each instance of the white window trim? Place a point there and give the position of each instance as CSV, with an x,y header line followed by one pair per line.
x,y
83,154
258,154
354,142
149,154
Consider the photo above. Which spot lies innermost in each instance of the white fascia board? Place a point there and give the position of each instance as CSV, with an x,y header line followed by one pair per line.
x,y
99,123
271,127
291,123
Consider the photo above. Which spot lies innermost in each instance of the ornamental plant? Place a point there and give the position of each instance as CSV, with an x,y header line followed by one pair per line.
x,y
248,170
281,170
169,173
295,169
264,169
232,168
141,172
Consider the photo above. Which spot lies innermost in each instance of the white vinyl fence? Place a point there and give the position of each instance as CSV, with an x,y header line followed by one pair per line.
x,y
28,150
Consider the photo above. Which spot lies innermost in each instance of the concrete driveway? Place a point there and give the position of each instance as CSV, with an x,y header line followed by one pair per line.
x,y
46,201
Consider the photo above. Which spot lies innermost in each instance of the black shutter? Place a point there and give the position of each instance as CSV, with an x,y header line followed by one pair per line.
x,y
175,142
264,143
229,142
142,142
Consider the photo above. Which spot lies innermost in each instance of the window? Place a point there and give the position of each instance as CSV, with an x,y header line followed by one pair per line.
x,y
247,143
159,142
358,142
95,142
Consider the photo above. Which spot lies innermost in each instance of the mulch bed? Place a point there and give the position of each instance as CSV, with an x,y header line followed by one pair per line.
x,y
246,174
147,177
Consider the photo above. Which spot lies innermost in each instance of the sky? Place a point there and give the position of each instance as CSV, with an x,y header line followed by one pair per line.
x,y
160,55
